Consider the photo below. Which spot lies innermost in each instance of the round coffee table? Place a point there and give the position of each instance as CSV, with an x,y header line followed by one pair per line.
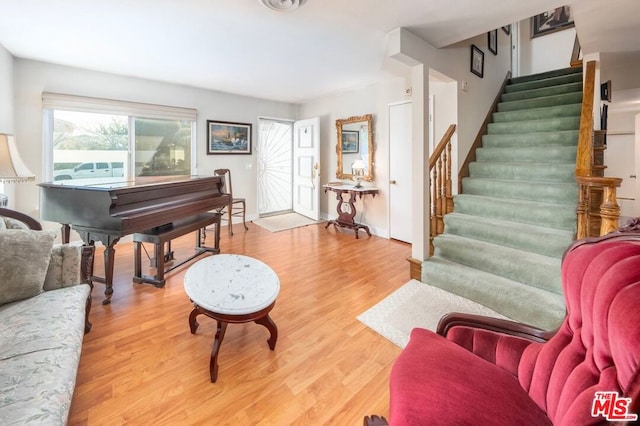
x,y
231,288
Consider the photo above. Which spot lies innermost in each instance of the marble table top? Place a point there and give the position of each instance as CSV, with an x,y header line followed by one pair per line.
x,y
231,284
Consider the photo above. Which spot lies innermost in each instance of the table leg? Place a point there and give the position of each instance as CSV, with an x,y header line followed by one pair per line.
x,y
273,329
193,324
217,342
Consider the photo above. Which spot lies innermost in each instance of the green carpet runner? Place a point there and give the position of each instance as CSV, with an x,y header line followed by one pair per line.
x,y
516,215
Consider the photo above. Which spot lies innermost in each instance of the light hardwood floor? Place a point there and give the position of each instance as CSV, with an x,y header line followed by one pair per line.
x,y
140,364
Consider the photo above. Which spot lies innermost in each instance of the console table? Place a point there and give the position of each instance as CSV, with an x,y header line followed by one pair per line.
x,y
347,209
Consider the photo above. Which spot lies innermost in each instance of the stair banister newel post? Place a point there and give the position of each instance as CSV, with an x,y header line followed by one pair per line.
x,y
608,212
609,209
448,194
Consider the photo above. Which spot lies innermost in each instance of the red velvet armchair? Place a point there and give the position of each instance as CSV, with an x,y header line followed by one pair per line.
x,y
479,371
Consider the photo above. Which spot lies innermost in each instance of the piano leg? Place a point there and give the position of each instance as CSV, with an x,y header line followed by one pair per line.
x,y
109,241
65,233
109,263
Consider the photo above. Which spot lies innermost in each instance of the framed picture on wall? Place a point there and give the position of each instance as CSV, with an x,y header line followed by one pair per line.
x,y
225,137
492,41
477,61
507,29
350,141
551,21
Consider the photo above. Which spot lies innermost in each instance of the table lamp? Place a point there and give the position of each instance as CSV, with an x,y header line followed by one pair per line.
x,y
357,170
12,168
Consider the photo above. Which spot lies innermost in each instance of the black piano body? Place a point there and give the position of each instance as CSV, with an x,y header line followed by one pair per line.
x,y
107,211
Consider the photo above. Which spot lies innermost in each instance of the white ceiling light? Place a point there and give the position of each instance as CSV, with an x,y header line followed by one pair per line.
x,y
282,5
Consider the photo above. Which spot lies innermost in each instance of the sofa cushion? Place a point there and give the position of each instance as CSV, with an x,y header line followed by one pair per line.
x,y
40,344
24,259
431,370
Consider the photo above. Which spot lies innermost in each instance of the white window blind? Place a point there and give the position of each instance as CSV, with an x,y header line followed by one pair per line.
x,y
58,101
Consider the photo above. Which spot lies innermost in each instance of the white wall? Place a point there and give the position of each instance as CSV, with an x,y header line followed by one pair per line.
x,y
6,108
621,156
32,78
374,100
544,53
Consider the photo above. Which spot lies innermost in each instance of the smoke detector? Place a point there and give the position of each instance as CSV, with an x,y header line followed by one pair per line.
x,y
282,5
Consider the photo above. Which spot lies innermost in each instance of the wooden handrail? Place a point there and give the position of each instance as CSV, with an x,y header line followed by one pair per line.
x,y
433,158
575,53
441,191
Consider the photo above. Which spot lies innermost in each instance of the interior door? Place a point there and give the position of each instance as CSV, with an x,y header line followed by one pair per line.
x,y
306,167
400,171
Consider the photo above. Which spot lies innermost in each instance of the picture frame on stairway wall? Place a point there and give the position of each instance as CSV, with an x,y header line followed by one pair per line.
x,y
551,21
492,41
477,61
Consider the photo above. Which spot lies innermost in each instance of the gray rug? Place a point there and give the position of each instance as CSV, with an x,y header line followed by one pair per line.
x,y
285,221
416,304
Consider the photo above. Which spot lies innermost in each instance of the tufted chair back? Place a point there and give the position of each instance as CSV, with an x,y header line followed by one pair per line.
x,y
597,347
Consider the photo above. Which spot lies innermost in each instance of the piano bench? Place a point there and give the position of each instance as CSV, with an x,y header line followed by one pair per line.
x,y
160,235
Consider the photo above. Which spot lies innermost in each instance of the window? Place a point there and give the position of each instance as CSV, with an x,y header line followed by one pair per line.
x,y
106,140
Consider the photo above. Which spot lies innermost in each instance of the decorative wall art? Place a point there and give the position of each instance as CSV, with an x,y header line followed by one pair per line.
x,y
350,141
225,137
551,21
492,41
477,61
507,29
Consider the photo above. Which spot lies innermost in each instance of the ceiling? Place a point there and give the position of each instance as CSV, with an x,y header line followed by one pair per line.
x,y
241,47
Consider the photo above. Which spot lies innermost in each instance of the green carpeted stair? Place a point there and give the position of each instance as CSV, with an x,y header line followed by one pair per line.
x,y
502,246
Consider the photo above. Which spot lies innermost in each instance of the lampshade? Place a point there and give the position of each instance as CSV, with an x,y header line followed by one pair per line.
x,y
12,169
358,165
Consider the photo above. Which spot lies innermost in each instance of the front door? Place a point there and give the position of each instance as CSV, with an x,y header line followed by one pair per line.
x,y
306,167
275,166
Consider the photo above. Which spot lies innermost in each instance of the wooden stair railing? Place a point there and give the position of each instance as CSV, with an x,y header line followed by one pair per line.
x,y
598,211
576,53
441,191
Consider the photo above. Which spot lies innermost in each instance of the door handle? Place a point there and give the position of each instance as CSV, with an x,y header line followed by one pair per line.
x,y
314,173
392,182
632,176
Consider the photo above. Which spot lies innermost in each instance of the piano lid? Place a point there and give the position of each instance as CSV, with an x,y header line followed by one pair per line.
x,y
121,207
115,183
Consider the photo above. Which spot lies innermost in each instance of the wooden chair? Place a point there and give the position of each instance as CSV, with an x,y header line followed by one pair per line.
x,y
240,202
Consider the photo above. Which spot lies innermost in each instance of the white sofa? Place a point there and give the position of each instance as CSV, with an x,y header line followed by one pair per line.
x,y
44,308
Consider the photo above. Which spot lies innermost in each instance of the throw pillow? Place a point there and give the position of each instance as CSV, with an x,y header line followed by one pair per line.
x,y
11,223
24,259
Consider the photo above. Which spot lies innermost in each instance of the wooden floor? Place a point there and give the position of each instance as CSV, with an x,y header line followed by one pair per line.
x,y
140,364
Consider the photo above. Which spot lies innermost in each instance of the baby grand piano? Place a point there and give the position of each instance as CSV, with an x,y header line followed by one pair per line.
x,y
106,212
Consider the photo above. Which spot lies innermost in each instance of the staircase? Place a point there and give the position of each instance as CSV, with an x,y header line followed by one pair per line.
x,y
502,245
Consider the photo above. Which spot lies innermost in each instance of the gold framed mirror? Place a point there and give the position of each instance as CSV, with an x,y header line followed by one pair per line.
x,y
355,142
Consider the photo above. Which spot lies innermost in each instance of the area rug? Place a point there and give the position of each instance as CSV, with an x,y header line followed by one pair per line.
x,y
416,304
283,222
